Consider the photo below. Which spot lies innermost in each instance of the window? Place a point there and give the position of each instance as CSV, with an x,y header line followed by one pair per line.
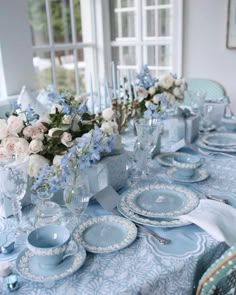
x,y
62,45
145,32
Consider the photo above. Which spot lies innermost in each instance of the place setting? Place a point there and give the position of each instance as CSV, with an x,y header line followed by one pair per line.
x,y
184,167
218,142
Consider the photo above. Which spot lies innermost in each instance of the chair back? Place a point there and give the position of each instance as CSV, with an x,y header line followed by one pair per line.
x,y
213,89
220,278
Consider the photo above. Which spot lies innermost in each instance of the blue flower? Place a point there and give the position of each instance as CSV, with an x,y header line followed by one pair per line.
x,y
144,78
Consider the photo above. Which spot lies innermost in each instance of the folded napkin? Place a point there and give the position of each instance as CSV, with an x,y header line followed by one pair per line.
x,y
218,219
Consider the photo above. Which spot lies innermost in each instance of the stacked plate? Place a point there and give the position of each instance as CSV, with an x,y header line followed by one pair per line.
x,y
158,205
218,142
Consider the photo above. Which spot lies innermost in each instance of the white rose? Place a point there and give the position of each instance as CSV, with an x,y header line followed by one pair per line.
x,y
28,131
52,130
3,129
66,139
39,125
55,107
183,87
15,124
36,162
166,82
9,143
107,127
37,134
22,146
156,85
67,119
156,99
57,160
178,82
79,99
108,114
4,154
35,146
152,90
178,93
147,104
142,93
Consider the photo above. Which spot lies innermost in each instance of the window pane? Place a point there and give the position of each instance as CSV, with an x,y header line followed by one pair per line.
x,y
164,56
128,24
151,24
65,70
151,2
38,22
81,68
114,25
78,23
43,68
163,72
164,25
125,55
61,21
152,55
162,2
127,3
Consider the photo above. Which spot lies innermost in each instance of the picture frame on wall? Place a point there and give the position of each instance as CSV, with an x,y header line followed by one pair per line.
x,y
231,25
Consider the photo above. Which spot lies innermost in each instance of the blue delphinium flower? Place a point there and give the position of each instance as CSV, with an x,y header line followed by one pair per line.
x,y
15,106
144,78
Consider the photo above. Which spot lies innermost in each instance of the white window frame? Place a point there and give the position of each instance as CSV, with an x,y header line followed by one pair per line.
x,y
139,42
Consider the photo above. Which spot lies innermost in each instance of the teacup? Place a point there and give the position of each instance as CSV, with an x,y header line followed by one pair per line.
x,y
229,123
50,244
186,165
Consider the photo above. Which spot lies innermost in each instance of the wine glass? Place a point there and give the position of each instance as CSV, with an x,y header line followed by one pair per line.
x,y
77,194
14,181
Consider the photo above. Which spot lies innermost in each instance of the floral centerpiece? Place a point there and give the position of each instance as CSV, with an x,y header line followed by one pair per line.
x,y
156,96
69,136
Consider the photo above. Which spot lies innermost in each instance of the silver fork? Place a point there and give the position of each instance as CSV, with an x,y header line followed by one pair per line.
x,y
206,153
161,240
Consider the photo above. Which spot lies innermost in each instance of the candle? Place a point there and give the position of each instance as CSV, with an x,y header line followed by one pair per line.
x,y
114,78
129,85
99,97
91,95
124,94
135,92
118,82
105,92
108,93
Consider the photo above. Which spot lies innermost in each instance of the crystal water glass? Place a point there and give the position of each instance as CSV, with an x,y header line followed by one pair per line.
x,y
13,183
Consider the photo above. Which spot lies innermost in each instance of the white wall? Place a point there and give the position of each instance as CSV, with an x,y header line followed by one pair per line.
x,y
16,47
205,54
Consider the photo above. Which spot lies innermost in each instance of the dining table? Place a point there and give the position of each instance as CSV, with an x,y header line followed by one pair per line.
x,y
147,267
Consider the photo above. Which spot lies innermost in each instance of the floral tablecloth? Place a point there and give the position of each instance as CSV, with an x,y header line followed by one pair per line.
x,y
146,267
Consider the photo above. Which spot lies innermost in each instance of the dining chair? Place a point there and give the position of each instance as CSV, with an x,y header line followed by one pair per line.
x,y
220,278
213,89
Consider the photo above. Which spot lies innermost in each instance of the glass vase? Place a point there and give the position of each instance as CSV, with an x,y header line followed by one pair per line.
x,y
77,194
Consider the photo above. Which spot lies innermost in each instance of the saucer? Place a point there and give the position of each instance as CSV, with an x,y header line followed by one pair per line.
x,y
28,267
200,175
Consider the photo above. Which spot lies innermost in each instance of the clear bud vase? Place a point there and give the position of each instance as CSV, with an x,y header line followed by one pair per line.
x,y
77,194
46,211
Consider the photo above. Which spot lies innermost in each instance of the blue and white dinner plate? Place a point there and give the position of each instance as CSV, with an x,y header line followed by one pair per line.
x,y
104,234
224,140
28,267
201,144
161,200
155,222
166,159
199,175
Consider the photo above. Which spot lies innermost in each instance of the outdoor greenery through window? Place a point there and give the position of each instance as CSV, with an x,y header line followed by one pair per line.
x,y
58,48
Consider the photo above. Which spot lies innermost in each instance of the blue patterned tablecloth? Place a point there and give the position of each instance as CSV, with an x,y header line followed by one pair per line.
x,y
146,267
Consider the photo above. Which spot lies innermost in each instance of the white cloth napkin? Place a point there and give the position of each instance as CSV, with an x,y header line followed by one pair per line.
x,y
216,218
